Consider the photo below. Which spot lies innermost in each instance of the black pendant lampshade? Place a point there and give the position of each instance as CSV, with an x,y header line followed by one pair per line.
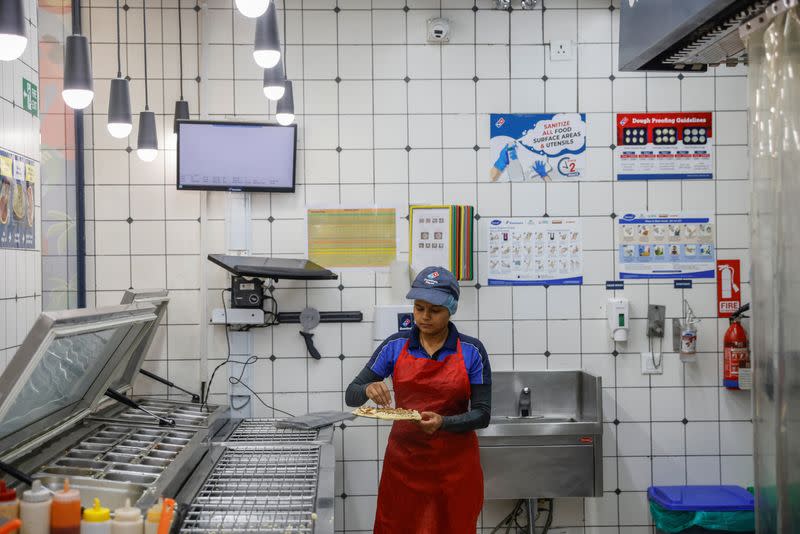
x,y
267,50
78,89
147,147
274,82
284,112
12,29
181,113
120,121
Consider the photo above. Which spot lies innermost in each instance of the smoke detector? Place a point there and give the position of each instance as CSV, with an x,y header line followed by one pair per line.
x,y
438,30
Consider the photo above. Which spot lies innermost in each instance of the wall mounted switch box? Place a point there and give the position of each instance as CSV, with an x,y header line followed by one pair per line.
x,y
655,320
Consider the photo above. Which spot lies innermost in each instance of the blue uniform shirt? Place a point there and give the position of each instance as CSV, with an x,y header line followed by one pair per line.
x,y
476,360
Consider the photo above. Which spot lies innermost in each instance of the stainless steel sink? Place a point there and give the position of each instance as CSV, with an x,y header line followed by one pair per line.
x,y
545,441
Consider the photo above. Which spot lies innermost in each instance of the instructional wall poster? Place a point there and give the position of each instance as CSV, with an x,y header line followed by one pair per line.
x,y
358,237
535,251
664,146
442,235
538,147
17,212
666,245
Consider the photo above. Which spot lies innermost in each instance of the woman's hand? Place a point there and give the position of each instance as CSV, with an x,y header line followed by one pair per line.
x,y
379,393
431,422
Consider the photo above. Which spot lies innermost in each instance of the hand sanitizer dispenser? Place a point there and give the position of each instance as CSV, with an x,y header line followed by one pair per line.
x,y
617,314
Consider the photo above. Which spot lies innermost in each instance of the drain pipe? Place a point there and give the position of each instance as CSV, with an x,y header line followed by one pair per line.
x,y
80,183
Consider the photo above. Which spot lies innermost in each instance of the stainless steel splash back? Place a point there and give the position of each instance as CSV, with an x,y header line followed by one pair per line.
x,y
775,249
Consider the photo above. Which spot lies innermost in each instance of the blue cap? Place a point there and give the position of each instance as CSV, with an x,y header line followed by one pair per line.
x,y
436,285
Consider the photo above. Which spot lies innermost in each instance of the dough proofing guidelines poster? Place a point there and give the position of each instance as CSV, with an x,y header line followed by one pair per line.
x,y
666,245
17,216
549,147
535,251
664,146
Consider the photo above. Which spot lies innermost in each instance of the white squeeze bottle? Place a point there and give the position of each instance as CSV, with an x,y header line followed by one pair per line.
x,y
153,517
34,510
96,520
127,520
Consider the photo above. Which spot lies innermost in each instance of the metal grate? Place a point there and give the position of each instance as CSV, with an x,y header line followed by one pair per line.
x,y
265,430
258,489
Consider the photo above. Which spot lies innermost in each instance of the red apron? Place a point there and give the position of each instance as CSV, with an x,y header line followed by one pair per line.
x,y
431,484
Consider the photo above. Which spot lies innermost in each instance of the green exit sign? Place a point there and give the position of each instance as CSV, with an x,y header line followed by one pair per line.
x,y
30,97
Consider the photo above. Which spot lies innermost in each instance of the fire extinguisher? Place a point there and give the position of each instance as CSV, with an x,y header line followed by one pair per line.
x,y
736,359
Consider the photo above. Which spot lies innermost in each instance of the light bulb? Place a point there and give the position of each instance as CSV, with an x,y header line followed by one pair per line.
x,y
252,8
266,59
119,129
274,92
12,29
284,119
12,46
77,98
147,154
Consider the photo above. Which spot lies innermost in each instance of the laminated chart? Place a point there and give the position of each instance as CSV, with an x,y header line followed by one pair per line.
x,y
535,251
352,237
664,146
442,235
18,175
666,245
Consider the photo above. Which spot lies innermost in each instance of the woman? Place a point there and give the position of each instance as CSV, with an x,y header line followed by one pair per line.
x,y
432,481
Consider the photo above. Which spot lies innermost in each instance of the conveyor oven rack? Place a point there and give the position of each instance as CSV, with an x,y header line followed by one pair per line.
x,y
265,430
267,489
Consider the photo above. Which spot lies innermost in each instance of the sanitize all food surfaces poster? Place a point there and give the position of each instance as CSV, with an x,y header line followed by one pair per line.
x,y
535,251
666,245
664,146
538,147
17,222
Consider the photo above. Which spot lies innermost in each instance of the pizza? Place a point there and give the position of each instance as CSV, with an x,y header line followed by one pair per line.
x,y
5,199
390,414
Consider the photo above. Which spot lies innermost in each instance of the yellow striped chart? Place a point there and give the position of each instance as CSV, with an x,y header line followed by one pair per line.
x,y
363,237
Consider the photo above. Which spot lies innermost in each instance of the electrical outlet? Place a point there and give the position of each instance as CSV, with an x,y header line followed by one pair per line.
x,y
649,361
560,50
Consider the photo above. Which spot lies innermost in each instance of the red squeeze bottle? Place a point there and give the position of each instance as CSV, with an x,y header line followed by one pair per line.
x,y
65,511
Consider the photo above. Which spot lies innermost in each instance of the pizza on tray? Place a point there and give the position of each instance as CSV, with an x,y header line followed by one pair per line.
x,y
390,414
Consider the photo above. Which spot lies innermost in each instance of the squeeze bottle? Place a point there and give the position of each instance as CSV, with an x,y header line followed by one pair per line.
x,y
127,520
9,504
96,520
153,517
34,510
65,511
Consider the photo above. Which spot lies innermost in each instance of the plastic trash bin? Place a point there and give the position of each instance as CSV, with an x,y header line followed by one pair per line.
x,y
701,509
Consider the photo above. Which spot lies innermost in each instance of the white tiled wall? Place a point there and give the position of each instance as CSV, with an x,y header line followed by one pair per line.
x,y
20,272
145,233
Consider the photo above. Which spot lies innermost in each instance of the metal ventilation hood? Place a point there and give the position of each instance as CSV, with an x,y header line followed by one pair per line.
x,y
683,35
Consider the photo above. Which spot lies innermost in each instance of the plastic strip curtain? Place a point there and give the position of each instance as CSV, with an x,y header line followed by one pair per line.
x,y
774,86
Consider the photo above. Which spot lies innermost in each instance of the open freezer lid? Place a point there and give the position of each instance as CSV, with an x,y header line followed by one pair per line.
x,y
126,375
62,370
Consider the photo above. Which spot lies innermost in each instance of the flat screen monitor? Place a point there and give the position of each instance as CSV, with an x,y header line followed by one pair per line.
x,y
236,156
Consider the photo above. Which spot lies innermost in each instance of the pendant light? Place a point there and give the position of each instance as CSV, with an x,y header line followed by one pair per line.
x,y
274,82
267,50
120,121
78,89
147,146
12,30
252,8
181,106
284,113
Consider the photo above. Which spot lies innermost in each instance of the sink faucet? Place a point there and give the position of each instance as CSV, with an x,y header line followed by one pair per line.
x,y
525,402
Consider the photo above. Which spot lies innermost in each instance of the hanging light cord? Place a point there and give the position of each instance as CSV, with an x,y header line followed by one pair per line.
x,y
285,39
180,48
119,39
144,24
